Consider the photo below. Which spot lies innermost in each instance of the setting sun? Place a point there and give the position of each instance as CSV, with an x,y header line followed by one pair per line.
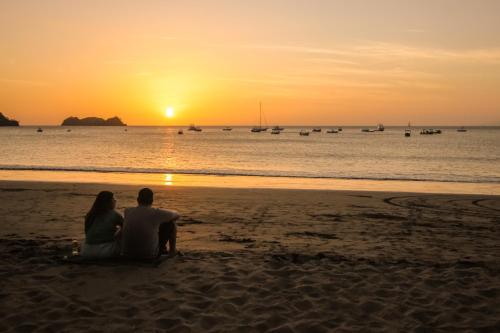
x,y
169,112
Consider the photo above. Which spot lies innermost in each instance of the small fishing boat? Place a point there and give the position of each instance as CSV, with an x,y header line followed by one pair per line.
x,y
194,128
277,128
332,131
408,130
366,130
461,129
316,130
425,131
304,133
180,132
275,131
227,129
380,128
39,130
340,129
430,131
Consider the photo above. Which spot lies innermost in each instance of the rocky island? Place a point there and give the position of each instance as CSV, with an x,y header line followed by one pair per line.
x,y
92,121
4,121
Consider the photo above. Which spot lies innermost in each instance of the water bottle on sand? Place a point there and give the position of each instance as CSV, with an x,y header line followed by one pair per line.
x,y
74,248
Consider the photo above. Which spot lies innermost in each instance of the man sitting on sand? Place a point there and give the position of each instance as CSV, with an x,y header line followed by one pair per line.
x,y
146,230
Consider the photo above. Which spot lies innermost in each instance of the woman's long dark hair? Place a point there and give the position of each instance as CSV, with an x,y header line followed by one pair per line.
x,y
102,204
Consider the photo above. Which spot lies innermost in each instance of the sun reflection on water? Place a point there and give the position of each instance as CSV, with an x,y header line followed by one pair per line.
x,y
169,179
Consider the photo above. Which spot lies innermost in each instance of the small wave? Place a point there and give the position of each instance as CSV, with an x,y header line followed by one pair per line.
x,y
492,180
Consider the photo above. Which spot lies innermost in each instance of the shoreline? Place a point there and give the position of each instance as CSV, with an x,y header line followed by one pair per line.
x,y
255,182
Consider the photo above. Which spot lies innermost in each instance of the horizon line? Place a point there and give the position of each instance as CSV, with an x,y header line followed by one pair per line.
x,y
268,126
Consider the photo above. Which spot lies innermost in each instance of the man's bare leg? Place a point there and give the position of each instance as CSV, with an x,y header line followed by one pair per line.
x,y
167,233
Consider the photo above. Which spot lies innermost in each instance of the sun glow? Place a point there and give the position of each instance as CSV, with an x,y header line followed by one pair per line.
x,y
169,179
169,112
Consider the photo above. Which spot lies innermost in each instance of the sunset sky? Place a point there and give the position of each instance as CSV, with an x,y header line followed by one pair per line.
x,y
309,62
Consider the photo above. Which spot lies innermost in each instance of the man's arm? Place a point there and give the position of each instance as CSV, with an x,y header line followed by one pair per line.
x,y
168,215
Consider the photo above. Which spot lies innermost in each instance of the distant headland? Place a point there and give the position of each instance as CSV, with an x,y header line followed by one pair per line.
x,y
92,121
4,121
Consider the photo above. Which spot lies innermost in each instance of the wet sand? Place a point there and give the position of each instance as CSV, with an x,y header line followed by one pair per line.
x,y
257,260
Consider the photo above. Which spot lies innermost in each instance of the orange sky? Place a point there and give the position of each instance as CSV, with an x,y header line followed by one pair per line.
x,y
309,62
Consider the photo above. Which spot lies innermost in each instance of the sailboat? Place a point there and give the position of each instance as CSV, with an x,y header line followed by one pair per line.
x,y
260,128
304,133
408,130
194,128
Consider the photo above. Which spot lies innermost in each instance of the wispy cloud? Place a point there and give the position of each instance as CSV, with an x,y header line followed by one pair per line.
x,y
380,50
295,48
404,51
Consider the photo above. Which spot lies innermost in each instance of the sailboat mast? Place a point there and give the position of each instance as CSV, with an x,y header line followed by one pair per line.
x,y
260,114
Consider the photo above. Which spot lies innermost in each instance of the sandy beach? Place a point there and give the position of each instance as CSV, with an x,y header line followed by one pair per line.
x,y
257,260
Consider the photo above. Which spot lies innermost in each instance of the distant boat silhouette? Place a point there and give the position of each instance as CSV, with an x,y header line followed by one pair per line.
x,y
227,129
332,131
317,130
380,128
461,129
277,128
39,130
304,133
430,131
194,128
259,128
408,130
180,132
275,131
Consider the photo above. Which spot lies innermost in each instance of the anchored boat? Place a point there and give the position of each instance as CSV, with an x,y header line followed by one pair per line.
x,y
304,133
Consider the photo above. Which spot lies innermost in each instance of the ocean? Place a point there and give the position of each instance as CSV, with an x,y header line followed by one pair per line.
x,y
470,157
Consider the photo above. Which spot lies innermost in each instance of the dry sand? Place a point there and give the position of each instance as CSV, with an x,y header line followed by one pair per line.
x,y
258,261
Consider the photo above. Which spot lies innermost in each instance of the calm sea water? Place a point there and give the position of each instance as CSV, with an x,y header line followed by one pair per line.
x,y
473,156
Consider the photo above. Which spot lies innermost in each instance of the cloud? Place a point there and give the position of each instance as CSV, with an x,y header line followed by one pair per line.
x,y
384,51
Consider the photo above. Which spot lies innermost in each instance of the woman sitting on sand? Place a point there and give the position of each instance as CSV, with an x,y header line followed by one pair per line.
x,y
102,228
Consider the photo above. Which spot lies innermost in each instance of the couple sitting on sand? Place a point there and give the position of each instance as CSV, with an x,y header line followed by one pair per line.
x,y
143,233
